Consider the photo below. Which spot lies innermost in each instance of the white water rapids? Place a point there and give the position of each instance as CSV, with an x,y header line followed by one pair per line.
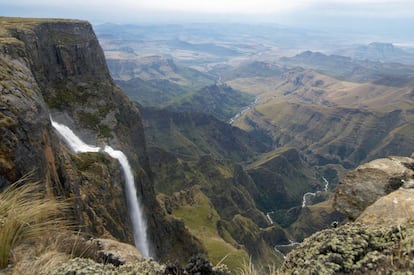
x,y
281,246
325,189
135,210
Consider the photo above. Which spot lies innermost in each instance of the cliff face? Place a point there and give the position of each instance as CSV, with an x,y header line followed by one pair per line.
x,y
57,67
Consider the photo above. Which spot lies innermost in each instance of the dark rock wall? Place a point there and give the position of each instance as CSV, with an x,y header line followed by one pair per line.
x,y
58,67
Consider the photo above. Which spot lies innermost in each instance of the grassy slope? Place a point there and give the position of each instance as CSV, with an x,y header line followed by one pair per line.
x,y
393,74
340,122
201,219
192,135
221,101
281,178
310,87
151,92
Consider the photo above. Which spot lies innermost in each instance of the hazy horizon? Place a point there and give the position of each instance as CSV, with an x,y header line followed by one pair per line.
x,y
388,19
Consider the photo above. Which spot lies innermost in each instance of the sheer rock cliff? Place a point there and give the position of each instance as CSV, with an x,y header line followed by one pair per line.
x,y
56,67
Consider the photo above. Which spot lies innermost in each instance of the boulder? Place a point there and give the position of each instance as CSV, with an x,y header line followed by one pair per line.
x,y
368,182
394,209
116,253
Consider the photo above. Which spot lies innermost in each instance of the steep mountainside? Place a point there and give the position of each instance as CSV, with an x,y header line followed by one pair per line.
x,y
153,92
193,158
192,135
58,67
335,124
281,178
332,135
214,199
221,101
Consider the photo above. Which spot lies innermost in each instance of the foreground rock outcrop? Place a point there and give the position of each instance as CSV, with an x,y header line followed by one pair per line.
x,y
379,196
354,248
370,181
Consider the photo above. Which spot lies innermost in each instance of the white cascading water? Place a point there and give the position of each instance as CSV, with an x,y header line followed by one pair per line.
x,y
326,184
281,246
305,196
325,189
135,211
269,218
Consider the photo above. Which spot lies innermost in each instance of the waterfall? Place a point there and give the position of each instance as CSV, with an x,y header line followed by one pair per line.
x,y
74,142
135,211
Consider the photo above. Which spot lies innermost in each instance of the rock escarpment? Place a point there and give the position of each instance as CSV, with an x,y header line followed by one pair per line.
x,y
57,67
379,196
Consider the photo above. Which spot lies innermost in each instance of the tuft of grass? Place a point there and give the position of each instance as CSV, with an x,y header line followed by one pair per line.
x,y
248,268
26,215
45,256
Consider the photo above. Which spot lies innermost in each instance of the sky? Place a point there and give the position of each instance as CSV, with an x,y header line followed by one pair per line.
x,y
389,16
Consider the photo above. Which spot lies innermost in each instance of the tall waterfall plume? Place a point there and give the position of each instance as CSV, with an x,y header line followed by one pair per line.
x,y
134,208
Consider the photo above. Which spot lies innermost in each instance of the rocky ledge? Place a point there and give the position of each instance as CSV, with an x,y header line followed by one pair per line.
x,y
370,181
379,196
354,248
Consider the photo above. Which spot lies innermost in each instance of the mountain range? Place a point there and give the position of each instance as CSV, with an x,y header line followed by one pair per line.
x,y
380,52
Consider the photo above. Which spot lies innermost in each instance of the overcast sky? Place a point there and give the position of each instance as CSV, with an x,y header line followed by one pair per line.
x,y
370,15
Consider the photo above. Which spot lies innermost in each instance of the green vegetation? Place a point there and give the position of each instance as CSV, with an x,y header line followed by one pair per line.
x,y
64,38
87,161
221,101
282,177
92,120
201,218
192,135
223,182
151,92
354,248
101,195
89,120
63,98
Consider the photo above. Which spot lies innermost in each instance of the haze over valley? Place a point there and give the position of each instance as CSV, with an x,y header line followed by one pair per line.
x,y
287,85
294,107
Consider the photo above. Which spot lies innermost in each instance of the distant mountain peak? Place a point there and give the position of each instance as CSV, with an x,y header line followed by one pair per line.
x,y
381,45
